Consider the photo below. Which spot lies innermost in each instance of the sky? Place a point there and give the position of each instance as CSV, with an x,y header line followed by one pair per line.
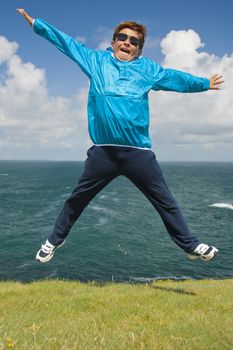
x,y
43,94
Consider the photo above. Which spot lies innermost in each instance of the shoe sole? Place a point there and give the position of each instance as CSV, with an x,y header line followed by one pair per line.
x,y
45,259
48,257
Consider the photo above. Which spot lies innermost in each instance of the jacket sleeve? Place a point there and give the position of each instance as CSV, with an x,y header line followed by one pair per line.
x,y
175,80
76,51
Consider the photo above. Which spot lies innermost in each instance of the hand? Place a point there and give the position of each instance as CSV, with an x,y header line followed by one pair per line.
x,y
215,80
26,15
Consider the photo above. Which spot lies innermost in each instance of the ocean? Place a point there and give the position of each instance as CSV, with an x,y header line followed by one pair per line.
x,y
119,236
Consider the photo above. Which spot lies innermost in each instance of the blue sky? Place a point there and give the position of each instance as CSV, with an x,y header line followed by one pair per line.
x,y
64,82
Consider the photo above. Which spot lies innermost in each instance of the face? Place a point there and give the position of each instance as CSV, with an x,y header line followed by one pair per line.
x,y
124,50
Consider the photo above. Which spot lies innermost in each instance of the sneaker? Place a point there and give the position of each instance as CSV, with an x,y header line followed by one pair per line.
x,y
46,251
204,252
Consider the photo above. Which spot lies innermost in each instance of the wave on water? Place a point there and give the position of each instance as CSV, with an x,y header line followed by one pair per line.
x,y
222,205
3,174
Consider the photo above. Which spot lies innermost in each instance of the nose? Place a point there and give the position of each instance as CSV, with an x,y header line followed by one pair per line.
x,y
127,42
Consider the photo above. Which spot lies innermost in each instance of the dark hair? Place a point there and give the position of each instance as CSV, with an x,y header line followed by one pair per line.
x,y
139,28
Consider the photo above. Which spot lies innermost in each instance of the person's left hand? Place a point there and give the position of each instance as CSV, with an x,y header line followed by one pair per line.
x,y
215,81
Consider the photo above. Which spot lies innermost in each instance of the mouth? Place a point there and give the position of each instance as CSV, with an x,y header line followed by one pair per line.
x,y
125,50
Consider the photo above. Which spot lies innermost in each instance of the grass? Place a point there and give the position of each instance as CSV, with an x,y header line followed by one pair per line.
x,y
67,315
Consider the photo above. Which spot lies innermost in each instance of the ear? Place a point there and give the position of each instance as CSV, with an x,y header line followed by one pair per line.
x,y
112,43
139,52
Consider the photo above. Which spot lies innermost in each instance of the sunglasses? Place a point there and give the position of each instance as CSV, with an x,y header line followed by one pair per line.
x,y
123,37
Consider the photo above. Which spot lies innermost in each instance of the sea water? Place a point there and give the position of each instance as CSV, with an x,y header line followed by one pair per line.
x,y
119,236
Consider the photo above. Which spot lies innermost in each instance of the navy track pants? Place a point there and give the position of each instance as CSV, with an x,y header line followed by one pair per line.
x,y
103,164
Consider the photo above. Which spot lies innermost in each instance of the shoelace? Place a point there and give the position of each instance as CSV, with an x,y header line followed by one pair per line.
x,y
46,248
203,249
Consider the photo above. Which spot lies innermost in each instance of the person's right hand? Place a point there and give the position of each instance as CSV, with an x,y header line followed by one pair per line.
x,y
26,15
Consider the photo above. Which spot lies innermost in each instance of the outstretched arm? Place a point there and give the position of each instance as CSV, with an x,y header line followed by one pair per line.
x,y
26,16
215,81
174,80
77,51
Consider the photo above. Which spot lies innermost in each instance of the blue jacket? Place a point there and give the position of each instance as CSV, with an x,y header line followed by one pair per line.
x,y
118,109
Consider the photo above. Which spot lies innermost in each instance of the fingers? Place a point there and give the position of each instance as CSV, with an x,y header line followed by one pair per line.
x,y
25,15
218,79
215,81
22,12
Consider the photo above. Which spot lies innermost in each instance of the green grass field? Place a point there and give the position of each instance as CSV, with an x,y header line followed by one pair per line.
x,y
66,315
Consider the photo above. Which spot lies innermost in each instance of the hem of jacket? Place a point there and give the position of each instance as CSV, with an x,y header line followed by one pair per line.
x,y
116,145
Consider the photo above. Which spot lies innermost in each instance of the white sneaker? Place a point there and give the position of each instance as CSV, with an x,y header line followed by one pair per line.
x,y
204,252
46,251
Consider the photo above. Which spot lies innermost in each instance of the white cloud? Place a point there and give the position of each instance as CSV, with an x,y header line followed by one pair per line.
x,y
6,49
180,41
29,117
104,44
193,119
103,36
81,39
151,43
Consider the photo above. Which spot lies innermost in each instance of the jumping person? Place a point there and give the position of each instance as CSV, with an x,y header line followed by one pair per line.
x,y
118,122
